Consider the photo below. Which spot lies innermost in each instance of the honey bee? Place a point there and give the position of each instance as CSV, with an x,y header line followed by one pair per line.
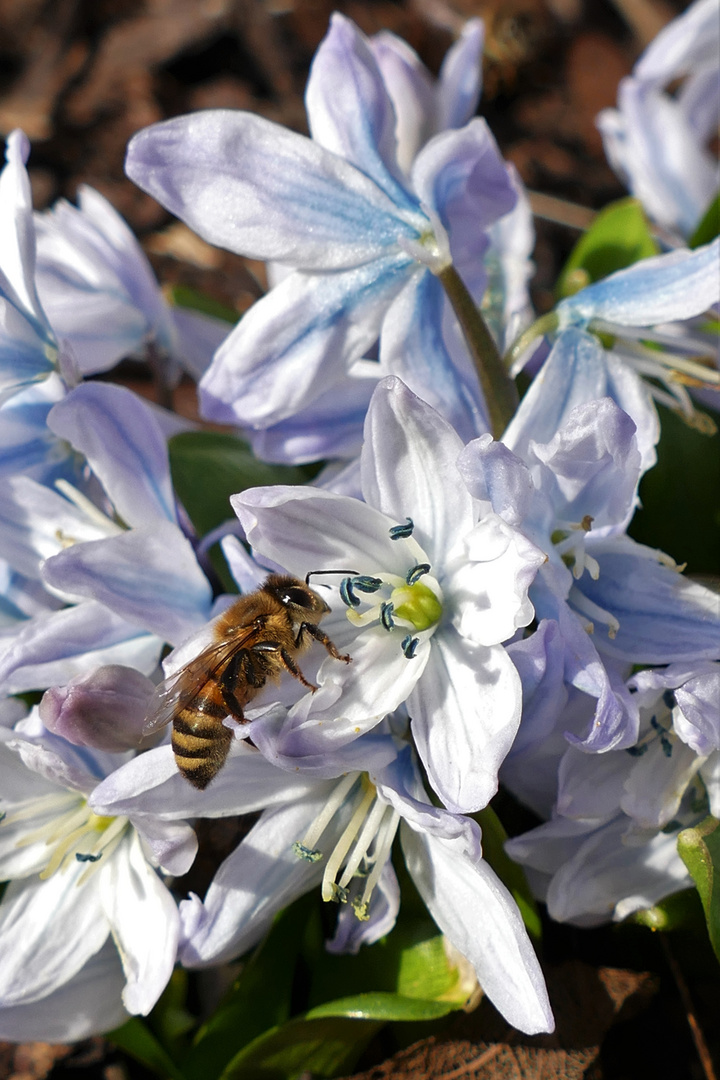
x,y
255,639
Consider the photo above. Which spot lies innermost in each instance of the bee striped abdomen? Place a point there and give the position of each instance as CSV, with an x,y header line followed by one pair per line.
x,y
200,740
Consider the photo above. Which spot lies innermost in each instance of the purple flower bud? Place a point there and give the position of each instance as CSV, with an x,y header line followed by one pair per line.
x,y
105,710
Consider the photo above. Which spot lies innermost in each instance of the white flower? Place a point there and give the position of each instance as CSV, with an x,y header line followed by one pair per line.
x,y
440,588
76,878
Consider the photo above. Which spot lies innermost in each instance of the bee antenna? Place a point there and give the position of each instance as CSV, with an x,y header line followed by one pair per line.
x,y
314,573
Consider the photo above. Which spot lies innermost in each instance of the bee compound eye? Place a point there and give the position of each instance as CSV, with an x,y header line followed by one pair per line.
x,y
299,598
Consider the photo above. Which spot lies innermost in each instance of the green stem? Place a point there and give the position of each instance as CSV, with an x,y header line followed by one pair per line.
x,y
498,388
546,324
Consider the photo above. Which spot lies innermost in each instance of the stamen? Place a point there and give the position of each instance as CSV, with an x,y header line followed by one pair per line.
x,y
587,607
365,583
386,835
409,646
344,843
347,595
45,805
417,572
386,618
321,822
401,532
363,842
89,508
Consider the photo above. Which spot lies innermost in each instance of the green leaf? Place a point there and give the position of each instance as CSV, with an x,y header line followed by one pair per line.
x,y
136,1039
258,1000
618,237
510,873
322,1048
184,297
679,512
382,1005
709,226
170,1020
699,849
208,467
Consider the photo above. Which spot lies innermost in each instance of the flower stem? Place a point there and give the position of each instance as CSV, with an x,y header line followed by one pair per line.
x,y
498,388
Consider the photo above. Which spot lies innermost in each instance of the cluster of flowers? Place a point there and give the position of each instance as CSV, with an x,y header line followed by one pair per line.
x,y
500,620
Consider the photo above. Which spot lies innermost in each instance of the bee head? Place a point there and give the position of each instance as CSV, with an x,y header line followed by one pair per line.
x,y
302,602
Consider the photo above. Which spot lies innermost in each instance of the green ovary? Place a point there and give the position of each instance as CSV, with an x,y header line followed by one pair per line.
x,y
416,603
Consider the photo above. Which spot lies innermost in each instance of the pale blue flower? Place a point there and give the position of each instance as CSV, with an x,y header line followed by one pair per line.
x,y
609,848
122,560
611,597
101,295
652,313
365,243
656,140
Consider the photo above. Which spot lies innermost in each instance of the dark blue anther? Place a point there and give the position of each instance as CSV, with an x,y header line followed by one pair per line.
x,y
346,593
401,532
417,572
666,746
669,698
365,583
654,724
409,646
637,751
82,857
386,618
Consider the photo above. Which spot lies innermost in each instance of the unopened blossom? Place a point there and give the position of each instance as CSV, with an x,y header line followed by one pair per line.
x,y
611,597
609,848
365,242
75,878
329,821
657,139
430,588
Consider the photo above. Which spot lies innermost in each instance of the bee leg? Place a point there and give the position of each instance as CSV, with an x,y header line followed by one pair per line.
x,y
287,661
314,631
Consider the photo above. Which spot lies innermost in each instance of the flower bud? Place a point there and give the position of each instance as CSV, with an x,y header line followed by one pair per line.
x,y
105,710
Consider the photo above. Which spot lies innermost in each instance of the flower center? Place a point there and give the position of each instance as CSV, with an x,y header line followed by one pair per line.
x,y
73,833
364,846
569,541
398,605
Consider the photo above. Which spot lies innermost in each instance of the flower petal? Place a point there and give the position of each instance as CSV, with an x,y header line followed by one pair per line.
x,y
299,341
149,576
260,878
465,714
263,191
414,347
349,109
124,446
663,616
51,648
408,461
88,1004
144,923
668,287
478,915
48,931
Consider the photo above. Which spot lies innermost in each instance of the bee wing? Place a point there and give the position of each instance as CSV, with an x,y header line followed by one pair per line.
x,y
175,693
